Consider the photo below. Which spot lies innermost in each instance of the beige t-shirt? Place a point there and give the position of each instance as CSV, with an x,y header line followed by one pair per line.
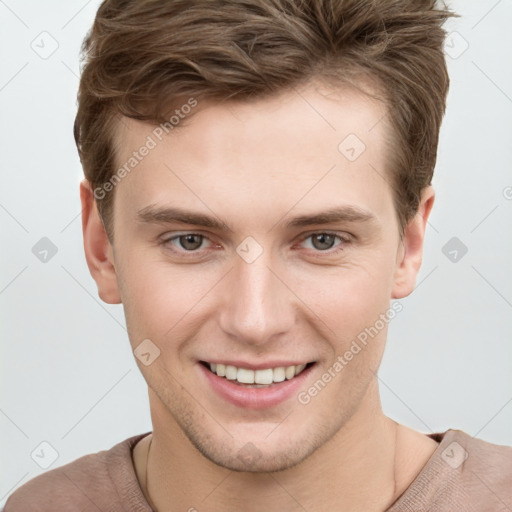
x,y
464,474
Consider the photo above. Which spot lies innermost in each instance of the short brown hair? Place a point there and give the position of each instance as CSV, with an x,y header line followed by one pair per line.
x,y
142,55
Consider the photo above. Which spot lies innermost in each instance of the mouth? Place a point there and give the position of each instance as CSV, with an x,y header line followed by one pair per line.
x,y
260,378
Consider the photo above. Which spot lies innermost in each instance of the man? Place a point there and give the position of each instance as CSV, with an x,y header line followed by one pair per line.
x,y
257,190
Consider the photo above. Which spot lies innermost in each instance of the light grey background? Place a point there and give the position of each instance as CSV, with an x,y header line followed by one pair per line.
x,y
68,375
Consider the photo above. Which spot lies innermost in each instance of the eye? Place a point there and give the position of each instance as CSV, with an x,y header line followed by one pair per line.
x,y
324,242
188,242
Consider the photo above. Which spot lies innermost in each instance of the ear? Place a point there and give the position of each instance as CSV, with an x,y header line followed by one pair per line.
x,y
410,253
98,250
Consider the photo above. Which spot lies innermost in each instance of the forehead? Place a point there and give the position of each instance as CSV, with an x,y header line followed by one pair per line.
x,y
301,145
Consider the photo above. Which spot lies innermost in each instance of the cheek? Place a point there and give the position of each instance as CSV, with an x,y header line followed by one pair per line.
x,y
160,298
348,298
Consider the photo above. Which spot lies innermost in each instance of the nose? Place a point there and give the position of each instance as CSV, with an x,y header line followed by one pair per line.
x,y
257,304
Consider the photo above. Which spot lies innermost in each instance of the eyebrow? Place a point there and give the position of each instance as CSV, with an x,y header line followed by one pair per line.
x,y
168,215
340,214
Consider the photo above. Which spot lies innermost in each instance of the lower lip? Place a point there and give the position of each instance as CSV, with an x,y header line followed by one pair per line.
x,y
255,398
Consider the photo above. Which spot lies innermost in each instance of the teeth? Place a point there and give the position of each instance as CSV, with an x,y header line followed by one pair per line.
x,y
264,376
231,372
245,376
299,368
289,372
256,377
279,374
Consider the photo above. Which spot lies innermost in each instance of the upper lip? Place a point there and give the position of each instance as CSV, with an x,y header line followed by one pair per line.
x,y
257,366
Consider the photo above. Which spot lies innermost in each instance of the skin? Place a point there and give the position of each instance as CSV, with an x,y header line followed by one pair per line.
x,y
254,166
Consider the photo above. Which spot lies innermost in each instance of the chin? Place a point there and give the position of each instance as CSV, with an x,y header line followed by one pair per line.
x,y
250,459
250,455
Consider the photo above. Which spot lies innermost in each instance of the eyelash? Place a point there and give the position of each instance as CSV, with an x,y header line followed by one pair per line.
x,y
344,240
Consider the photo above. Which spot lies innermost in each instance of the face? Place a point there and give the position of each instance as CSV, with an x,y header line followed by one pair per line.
x,y
259,236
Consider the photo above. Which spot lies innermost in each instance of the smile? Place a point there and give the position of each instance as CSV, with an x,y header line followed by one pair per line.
x,y
256,378
256,387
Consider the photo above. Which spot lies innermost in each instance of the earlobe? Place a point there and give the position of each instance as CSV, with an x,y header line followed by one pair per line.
x,y
97,247
410,253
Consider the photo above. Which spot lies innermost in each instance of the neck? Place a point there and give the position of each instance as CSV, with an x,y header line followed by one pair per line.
x,y
363,467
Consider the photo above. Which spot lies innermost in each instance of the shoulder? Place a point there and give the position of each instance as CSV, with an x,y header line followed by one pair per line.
x,y
91,482
486,468
478,473
464,473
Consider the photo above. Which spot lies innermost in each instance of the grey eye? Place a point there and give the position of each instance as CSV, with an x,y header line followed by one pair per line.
x,y
323,241
190,242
